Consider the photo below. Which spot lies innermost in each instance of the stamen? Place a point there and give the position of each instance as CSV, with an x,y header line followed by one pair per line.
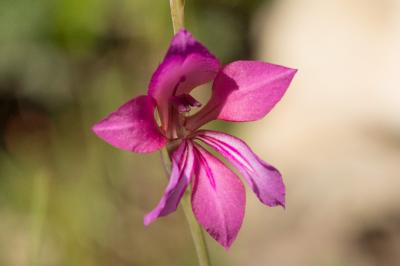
x,y
184,102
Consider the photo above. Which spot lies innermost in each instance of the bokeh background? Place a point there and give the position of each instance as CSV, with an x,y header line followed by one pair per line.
x,y
67,198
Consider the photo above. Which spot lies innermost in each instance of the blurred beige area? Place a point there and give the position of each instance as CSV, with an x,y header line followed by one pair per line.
x,y
335,136
67,198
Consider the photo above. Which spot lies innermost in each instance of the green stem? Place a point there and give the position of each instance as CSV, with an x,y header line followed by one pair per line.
x,y
177,14
195,229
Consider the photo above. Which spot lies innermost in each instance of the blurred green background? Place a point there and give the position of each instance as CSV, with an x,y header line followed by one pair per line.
x,y
67,198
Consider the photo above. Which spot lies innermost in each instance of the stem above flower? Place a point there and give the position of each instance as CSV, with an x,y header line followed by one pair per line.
x,y
177,14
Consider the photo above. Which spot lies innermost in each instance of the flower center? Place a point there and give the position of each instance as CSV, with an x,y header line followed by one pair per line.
x,y
180,103
180,106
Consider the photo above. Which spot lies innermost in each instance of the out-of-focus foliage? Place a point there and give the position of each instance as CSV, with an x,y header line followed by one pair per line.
x,y
67,198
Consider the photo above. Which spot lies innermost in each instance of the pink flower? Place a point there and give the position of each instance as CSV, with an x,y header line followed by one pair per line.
x,y
241,91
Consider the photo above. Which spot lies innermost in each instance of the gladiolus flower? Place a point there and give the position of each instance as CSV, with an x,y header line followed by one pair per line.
x,y
241,91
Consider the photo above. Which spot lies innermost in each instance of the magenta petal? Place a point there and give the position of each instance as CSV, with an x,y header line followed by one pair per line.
x,y
218,198
244,91
182,165
132,127
264,179
186,65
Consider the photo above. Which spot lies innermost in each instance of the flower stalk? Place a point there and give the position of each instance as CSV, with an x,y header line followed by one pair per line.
x,y
177,14
196,231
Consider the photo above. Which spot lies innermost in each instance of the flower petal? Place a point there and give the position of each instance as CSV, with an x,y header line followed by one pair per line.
x,y
244,91
132,127
182,165
186,65
264,179
218,198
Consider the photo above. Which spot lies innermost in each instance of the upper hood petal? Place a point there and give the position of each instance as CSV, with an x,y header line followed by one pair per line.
x,y
186,65
244,91
264,179
132,127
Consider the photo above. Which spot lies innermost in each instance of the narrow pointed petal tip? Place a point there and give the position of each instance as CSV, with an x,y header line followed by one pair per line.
x,y
148,219
218,198
132,127
182,166
264,179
